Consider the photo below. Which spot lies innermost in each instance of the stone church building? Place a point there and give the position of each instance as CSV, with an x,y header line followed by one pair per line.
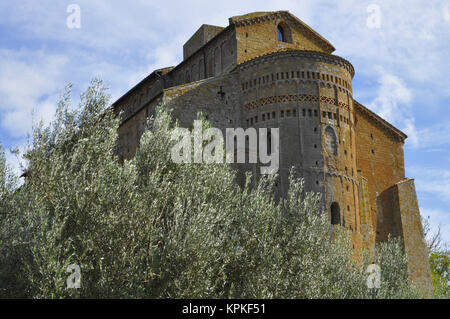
x,y
271,70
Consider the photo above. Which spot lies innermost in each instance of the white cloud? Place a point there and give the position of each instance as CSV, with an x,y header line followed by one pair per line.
x,y
433,186
393,103
433,181
392,98
435,137
446,13
28,79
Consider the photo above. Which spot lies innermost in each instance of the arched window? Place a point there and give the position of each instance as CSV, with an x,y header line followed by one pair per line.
x,y
280,33
284,33
335,214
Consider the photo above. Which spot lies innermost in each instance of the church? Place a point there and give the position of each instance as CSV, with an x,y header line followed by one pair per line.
x,y
271,70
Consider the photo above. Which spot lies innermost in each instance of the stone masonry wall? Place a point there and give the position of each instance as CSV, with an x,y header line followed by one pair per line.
x,y
217,57
306,95
199,39
244,77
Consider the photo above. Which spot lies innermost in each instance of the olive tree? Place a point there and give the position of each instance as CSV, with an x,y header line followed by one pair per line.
x,y
152,228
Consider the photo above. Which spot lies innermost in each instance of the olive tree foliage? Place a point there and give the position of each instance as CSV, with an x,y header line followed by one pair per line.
x,y
14,253
439,258
152,228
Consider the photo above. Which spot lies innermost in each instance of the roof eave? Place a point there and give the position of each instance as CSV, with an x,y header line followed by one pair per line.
x,y
382,121
158,72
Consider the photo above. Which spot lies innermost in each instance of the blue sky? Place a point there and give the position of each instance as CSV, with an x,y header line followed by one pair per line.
x,y
402,65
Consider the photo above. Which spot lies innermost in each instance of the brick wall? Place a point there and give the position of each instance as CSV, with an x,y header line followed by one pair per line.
x,y
380,159
260,39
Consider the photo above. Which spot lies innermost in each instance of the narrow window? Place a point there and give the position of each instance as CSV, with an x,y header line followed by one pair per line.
x,y
335,214
280,33
330,140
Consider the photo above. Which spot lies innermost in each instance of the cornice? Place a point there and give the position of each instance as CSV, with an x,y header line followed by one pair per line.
x,y
311,55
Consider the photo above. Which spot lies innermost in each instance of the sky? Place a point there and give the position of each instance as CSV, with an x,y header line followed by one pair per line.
x,y
399,48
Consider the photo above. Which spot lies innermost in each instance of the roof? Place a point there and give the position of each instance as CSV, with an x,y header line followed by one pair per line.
x,y
256,17
380,121
157,72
